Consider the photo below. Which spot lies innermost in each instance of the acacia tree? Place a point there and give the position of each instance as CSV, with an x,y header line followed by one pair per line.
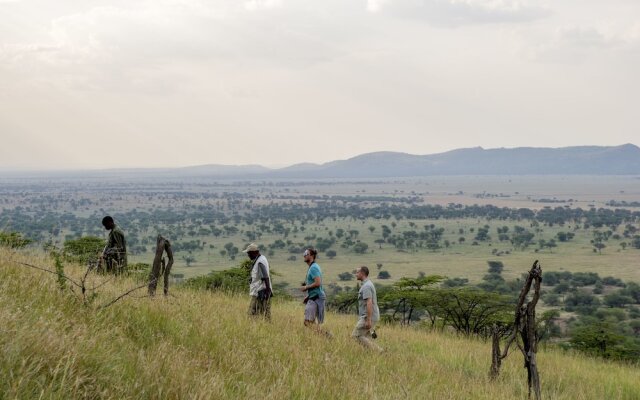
x,y
232,250
189,259
472,311
410,294
495,267
345,276
597,338
360,247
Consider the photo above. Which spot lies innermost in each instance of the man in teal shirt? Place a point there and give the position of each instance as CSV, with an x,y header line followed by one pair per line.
x,y
315,299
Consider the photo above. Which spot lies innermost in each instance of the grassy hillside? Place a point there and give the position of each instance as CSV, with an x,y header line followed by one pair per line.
x,y
202,345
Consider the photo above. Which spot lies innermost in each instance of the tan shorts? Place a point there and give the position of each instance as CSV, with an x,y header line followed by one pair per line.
x,y
360,330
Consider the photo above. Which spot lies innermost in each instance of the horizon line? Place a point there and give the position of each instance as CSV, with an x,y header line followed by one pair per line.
x,y
272,167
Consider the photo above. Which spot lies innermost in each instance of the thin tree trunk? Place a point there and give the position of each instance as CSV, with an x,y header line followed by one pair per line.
x,y
525,327
158,267
496,357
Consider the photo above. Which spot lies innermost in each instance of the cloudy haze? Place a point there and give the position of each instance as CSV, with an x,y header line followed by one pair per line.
x,y
94,84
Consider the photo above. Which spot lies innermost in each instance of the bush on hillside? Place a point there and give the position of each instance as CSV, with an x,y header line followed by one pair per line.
x,y
233,280
84,249
230,280
384,275
13,240
345,276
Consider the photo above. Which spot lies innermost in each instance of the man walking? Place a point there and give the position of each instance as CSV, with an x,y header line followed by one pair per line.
x,y
368,310
260,288
315,298
114,254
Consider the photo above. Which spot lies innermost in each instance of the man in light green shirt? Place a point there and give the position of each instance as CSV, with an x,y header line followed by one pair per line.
x,y
368,311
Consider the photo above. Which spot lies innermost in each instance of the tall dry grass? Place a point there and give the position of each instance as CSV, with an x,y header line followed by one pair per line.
x,y
200,345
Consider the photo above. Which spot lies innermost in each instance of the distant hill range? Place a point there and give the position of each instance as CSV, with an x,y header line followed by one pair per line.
x,y
580,160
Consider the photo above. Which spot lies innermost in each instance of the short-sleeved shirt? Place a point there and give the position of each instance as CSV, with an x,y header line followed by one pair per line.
x,y
313,272
259,271
368,291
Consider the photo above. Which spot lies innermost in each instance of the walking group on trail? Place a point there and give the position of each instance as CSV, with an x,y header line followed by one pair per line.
x,y
114,260
260,291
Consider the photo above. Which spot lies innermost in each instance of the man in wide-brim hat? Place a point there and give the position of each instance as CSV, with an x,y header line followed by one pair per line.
x,y
260,283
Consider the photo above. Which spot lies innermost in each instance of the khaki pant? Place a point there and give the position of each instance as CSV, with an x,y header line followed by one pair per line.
x,y
260,307
363,335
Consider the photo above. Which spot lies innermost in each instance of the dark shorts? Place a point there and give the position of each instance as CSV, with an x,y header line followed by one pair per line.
x,y
261,307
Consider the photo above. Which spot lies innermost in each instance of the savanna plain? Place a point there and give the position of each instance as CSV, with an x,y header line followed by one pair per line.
x,y
470,232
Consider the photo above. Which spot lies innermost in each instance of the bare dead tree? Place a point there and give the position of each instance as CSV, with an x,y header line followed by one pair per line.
x,y
123,295
523,333
63,276
497,332
159,267
87,294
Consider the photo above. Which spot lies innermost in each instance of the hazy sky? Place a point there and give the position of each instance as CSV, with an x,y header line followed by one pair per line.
x,y
94,84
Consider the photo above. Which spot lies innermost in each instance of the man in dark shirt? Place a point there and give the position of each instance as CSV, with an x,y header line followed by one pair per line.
x,y
115,252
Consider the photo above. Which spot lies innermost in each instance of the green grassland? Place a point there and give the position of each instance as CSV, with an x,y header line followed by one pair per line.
x,y
92,199
201,345
458,260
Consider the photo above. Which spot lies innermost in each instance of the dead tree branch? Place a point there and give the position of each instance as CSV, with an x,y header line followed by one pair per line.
x,y
82,284
123,295
49,271
524,328
159,268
